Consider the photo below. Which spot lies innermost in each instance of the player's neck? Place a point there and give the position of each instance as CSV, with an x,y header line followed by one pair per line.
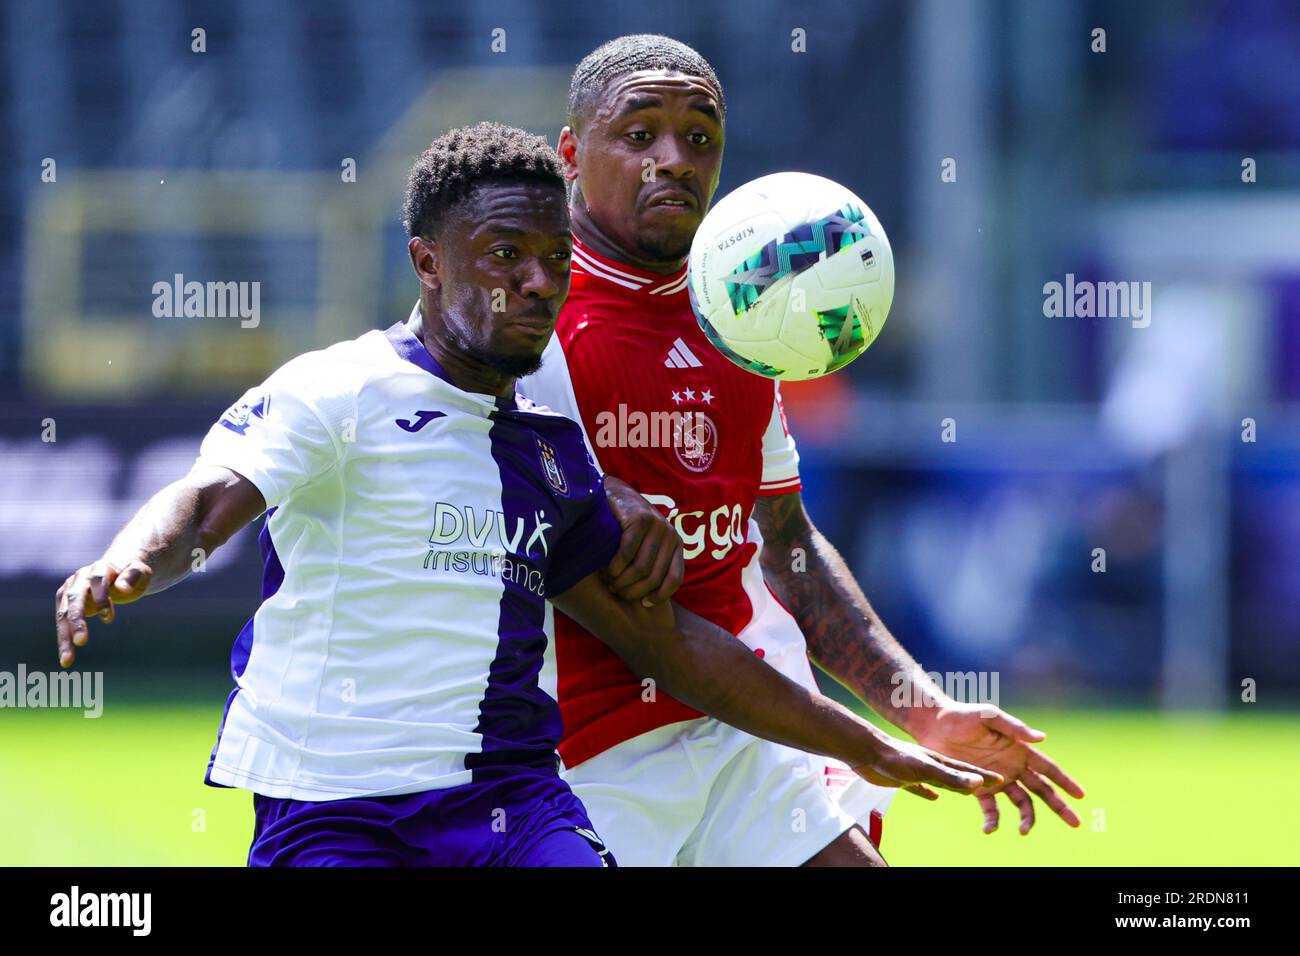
x,y
590,235
466,373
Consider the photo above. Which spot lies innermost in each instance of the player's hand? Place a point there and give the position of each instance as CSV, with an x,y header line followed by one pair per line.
x,y
911,767
992,738
649,565
92,592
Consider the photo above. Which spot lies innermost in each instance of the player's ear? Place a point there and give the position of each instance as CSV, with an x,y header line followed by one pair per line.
x,y
568,148
426,260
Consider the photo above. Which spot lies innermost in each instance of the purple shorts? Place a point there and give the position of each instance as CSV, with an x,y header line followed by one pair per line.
x,y
509,816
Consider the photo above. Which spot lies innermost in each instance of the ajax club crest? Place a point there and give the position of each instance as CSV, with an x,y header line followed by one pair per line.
x,y
695,439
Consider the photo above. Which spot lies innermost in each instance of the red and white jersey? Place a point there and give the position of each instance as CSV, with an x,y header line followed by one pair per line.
x,y
626,355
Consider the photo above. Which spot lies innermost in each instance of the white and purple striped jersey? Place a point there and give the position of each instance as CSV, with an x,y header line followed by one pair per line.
x,y
413,534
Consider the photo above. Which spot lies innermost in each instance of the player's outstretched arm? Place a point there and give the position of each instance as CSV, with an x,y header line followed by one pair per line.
x,y
706,668
849,641
156,549
845,636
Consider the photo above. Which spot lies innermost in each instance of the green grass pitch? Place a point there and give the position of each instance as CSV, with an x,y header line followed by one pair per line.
x,y
126,789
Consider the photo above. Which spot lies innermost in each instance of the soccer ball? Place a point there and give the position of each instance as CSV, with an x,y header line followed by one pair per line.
x,y
791,276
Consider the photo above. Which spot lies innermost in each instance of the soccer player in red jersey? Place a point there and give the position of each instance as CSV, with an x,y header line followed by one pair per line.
x,y
707,443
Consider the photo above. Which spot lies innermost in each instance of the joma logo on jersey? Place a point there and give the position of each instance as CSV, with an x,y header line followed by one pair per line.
x,y
551,467
421,419
453,524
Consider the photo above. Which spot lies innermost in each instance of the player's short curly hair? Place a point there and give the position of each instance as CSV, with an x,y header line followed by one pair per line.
x,y
627,54
458,160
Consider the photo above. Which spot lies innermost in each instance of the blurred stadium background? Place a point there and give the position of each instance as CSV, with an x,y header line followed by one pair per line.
x,y
1168,684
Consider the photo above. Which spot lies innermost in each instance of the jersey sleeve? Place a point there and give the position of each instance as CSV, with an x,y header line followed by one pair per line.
x,y
281,434
780,456
590,539
552,386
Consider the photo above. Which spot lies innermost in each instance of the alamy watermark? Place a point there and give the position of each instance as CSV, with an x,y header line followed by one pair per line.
x,y
208,300
70,689
128,910
1100,300
969,687
638,429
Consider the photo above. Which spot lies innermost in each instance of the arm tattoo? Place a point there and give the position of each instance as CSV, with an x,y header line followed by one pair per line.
x,y
845,636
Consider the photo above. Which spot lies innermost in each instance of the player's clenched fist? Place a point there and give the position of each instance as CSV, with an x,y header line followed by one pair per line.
x,y
649,565
910,767
92,592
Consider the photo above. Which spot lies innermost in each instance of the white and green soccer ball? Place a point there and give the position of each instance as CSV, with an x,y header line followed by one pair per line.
x,y
791,276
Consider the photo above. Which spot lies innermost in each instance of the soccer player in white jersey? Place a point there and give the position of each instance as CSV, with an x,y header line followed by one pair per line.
x,y
393,704
665,784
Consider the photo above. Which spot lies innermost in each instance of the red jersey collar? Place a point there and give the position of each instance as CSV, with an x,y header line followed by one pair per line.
x,y
656,284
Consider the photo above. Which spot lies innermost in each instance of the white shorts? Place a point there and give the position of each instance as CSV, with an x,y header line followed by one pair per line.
x,y
702,793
